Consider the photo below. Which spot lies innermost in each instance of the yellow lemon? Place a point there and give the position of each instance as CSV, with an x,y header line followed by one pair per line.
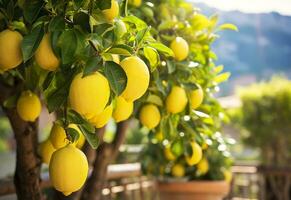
x,y
196,154
203,166
102,119
135,3
160,136
28,106
180,48
123,109
176,100
68,169
227,175
168,153
46,150
10,49
44,55
138,78
81,141
89,95
112,12
196,97
178,170
150,116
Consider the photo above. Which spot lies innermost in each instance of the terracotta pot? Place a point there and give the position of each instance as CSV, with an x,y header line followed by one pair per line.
x,y
193,190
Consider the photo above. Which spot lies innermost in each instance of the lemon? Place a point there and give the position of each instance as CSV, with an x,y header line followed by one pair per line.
x,y
178,170
176,100
112,12
44,55
203,166
138,78
135,3
168,153
159,136
196,154
227,175
89,95
196,97
46,150
59,138
28,106
123,109
180,48
102,119
150,116
68,169
120,28
10,49
81,141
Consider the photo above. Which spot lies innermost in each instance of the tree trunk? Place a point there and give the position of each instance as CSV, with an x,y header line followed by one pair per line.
x,y
105,154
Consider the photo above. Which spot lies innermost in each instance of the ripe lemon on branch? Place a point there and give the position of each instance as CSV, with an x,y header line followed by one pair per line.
x,y
46,149
180,48
138,78
10,49
102,119
196,154
89,95
168,153
123,109
112,12
68,169
150,116
44,55
176,100
203,166
196,97
178,170
28,106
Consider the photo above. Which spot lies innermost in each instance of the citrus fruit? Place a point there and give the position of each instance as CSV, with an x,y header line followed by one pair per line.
x,y
150,116
180,48
135,3
44,55
120,28
10,49
159,136
196,154
28,106
46,150
196,97
203,166
178,170
138,78
122,110
168,153
89,95
68,169
102,119
176,100
227,175
112,12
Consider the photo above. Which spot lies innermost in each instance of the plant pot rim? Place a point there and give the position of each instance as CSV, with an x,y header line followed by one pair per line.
x,y
197,186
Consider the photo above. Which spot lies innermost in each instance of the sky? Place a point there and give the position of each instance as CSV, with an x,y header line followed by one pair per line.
x,y
251,6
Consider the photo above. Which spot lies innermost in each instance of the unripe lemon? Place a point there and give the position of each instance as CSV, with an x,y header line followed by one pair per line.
x,y
112,12
28,106
123,109
135,3
168,153
138,78
196,97
203,166
227,175
102,119
10,49
176,100
68,169
89,95
180,48
150,116
196,154
44,55
120,28
178,170
46,150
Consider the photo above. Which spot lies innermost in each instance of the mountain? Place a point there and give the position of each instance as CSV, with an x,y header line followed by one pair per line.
x,y
261,48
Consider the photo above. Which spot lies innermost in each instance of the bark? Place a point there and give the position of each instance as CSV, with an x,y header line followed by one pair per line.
x,y
105,154
27,171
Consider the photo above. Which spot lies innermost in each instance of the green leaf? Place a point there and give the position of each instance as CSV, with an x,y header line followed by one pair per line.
x,y
152,56
68,44
31,9
83,20
222,77
73,133
92,138
116,77
103,4
101,28
11,101
139,24
218,69
170,66
31,42
75,118
162,48
201,114
92,64
121,49
228,27
57,24
141,35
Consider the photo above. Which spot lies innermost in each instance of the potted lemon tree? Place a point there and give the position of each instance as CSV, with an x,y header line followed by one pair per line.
x,y
185,150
